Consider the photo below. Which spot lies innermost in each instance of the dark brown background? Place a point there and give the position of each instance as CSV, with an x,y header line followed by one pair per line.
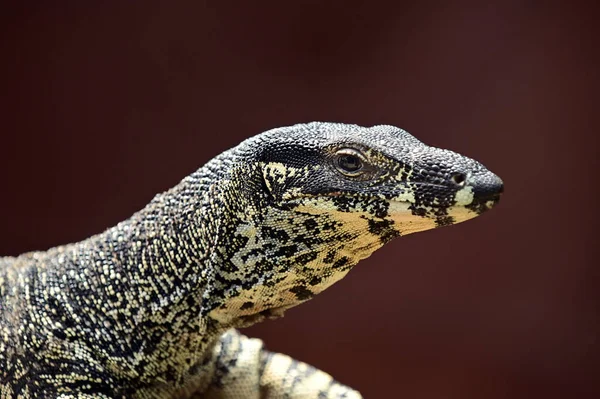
x,y
102,106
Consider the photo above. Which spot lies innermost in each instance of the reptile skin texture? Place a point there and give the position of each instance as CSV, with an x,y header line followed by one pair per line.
x,y
149,308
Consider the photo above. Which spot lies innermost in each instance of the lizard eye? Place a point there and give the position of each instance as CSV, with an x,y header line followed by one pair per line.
x,y
349,162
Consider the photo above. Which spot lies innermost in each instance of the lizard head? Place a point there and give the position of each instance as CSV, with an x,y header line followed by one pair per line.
x,y
381,175
332,194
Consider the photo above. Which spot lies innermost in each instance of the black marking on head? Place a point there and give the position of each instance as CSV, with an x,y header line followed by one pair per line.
x,y
60,334
379,208
480,206
287,206
306,258
272,232
418,211
247,305
442,221
311,225
331,225
302,293
384,229
227,281
229,267
343,261
344,203
329,257
311,239
315,280
286,251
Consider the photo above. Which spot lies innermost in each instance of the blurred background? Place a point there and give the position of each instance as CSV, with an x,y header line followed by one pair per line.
x,y
104,105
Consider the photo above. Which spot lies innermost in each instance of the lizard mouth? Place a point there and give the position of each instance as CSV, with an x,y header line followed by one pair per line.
x,y
479,201
484,203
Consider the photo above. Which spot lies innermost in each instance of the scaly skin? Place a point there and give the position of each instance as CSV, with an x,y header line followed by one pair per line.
x,y
148,309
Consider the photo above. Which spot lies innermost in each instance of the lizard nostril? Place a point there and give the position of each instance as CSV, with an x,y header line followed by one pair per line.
x,y
458,178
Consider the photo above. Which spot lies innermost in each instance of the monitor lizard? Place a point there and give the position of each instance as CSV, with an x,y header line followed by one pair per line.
x,y
150,308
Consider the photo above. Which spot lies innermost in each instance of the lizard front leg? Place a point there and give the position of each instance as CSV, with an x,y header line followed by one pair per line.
x,y
244,369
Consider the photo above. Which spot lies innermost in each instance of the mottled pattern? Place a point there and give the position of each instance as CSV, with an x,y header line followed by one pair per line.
x,y
148,308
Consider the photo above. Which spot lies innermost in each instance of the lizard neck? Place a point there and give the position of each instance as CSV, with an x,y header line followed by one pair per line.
x,y
200,259
134,293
